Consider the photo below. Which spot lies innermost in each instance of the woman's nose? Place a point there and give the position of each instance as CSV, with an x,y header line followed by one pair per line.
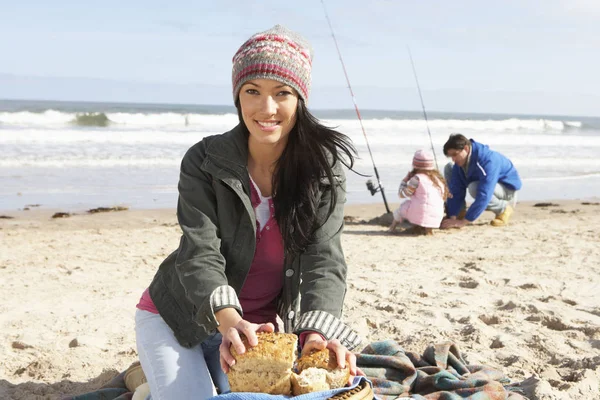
x,y
269,106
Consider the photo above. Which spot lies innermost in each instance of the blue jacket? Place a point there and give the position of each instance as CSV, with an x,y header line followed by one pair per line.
x,y
487,167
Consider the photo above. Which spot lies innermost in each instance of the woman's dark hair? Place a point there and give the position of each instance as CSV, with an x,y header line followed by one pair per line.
x,y
310,154
456,141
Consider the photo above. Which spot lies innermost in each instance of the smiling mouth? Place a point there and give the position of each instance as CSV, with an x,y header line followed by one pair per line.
x,y
267,124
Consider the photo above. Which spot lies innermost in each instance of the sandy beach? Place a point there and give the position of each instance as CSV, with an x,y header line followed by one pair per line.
x,y
523,299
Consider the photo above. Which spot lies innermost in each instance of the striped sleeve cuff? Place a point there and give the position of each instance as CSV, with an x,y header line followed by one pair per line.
x,y
223,297
414,182
410,188
401,188
329,326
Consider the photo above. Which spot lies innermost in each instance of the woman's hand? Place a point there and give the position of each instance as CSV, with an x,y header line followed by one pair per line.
x,y
314,341
231,336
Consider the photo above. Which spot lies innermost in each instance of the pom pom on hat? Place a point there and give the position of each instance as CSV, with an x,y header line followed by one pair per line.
x,y
279,54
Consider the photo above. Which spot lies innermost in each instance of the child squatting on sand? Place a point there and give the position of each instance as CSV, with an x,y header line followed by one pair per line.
x,y
426,191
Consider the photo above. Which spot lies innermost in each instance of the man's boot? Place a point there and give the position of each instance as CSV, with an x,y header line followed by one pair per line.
x,y
502,219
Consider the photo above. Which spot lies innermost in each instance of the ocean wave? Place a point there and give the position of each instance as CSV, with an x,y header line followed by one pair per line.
x,y
91,119
172,158
573,124
388,140
570,176
505,125
224,122
53,118
551,162
72,136
28,118
90,162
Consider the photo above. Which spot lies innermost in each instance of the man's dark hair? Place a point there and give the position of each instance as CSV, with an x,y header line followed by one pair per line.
x,y
456,142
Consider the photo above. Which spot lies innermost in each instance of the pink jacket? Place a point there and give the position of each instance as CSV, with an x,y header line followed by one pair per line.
x,y
426,206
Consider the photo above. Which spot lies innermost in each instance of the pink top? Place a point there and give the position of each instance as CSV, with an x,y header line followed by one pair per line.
x,y
146,302
426,205
264,282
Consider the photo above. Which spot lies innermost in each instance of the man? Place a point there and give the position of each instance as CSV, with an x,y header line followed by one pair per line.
x,y
490,177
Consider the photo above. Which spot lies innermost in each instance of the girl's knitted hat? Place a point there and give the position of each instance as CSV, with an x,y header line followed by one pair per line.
x,y
423,160
278,54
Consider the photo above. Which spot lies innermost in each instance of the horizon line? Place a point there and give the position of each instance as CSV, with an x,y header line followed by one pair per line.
x,y
310,108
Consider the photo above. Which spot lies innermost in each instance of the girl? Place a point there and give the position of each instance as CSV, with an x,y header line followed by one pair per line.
x,y
426,191
261,209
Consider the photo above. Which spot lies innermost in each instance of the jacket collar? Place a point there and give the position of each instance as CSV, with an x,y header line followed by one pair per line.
x,y
231,148
227,159
227,156
473,156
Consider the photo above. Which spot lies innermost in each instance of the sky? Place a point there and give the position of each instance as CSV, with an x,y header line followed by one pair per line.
x,y
521,56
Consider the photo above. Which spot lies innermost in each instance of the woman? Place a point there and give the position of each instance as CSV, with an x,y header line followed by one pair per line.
x,y
261,210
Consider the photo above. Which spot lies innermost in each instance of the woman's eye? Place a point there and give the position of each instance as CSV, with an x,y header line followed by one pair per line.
x,y
284,93
251,91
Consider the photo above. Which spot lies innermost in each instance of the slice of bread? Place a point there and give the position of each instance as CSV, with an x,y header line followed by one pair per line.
x,y
266,367
319,371
310,380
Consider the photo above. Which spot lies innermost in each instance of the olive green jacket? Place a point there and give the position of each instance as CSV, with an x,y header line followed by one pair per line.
x,y
206,273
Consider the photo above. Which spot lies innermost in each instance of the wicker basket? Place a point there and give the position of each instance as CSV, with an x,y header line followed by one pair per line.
x,y
362,392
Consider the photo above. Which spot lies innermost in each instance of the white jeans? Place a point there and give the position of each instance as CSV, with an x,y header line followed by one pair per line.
x,y
174,371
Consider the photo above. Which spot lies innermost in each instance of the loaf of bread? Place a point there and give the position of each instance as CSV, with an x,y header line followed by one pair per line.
x,y
266,367
319,371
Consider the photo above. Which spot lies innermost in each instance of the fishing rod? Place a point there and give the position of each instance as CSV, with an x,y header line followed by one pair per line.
x,y
370,186
423,106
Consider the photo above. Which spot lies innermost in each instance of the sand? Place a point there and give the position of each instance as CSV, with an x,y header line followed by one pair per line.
x,y
524,299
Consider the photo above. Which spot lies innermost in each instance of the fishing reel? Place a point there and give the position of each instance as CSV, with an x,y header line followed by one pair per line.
x,y
372,188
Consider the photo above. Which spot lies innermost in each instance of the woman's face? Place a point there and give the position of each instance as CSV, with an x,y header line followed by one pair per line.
x,y
269,110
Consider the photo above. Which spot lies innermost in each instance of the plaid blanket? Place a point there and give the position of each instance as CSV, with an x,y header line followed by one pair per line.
x,y
324,395
440,373
115,389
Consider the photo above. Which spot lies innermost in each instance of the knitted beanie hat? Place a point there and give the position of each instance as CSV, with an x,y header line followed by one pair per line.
x,y
277,54
423,160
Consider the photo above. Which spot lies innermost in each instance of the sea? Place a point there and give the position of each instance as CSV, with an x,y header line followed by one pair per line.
x,y
79,155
